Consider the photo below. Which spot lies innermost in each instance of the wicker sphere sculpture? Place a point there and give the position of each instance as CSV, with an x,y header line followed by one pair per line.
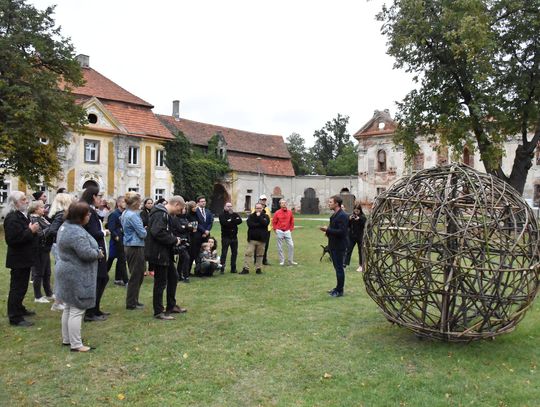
x,y
452,254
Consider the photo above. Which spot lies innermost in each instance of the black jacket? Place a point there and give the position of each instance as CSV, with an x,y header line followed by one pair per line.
x,y
94,227
44,239
337,231
180,227
159,243
356,227
21,242
229,224
258,227
56,222
144,216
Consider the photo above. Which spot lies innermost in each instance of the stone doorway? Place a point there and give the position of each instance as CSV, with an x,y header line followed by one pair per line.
x,y
309,204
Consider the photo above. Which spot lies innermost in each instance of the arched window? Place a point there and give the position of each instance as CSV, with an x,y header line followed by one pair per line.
x,y
381,161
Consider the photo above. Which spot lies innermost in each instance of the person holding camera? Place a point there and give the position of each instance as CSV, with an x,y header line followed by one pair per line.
x,y
133,242
229,221
158,251
183,228
357,222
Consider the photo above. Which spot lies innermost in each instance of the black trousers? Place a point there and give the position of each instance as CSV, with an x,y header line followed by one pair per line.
x,y
266,244
164,277
18,285
184,263
227,242
120,273
350,250
100,288
41,273
195,248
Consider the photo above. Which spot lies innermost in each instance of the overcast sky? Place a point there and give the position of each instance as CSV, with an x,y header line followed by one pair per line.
x,y
273,67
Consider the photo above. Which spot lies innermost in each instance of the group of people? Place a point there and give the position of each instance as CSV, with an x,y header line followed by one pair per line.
x,y
171,239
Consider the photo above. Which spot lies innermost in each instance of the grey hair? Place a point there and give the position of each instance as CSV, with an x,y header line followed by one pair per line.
x,y
34,205
11,204
176,199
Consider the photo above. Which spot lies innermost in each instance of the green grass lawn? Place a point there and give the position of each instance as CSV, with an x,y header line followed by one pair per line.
x,y
270,339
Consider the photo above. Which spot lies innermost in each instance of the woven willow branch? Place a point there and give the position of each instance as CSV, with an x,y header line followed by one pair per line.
x,y
452,254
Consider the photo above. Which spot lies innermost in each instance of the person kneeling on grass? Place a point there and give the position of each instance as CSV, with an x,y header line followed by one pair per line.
x,y
208,259
76,273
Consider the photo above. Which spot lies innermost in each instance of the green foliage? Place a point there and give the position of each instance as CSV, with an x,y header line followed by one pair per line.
x,y
34,59
299,154
346,163
477,65
332,152
194,172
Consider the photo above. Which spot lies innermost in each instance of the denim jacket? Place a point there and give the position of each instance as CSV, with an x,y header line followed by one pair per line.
x,y
134,231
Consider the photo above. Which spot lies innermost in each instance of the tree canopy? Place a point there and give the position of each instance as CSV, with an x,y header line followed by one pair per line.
x,y
194,172
477,66
333,152
34,110
299,154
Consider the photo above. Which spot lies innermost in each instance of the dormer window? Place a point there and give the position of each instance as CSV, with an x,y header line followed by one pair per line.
x,y
381,161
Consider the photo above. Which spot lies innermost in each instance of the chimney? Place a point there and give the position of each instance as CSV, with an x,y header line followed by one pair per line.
x,y
176,109
84,60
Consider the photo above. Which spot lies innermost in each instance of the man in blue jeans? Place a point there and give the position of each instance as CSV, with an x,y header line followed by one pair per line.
x,y
337,241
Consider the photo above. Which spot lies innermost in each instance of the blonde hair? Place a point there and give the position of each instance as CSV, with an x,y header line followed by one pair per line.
x,y
60,203
132,198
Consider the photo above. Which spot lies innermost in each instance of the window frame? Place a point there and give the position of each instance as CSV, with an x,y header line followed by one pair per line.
x,y
97,143
4,195
137,151
160,152
158,196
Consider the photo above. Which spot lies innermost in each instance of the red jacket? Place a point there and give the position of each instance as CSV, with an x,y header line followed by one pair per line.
x,y
283,220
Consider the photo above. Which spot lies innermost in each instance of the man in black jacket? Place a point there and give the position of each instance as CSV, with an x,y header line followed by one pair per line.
x,y
229,222
21,239
158,250
337,241
257,222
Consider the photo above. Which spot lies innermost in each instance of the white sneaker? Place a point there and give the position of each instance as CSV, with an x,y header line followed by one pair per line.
x,y
57,307
42,300
52,297
293,263
359,269
281,263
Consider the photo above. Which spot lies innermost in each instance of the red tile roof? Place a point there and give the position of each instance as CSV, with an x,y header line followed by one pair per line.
x,y
103,88
237,140
269,166
138,120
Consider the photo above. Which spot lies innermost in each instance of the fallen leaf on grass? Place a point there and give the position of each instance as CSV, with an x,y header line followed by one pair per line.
x,y
185,355
68,365
447,395
327,376
121,396
30,382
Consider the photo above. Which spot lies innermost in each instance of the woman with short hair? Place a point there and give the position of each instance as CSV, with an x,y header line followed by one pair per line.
x,y
76,272
41,272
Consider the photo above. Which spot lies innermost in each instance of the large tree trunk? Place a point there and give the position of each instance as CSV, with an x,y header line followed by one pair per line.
x,y
523,161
